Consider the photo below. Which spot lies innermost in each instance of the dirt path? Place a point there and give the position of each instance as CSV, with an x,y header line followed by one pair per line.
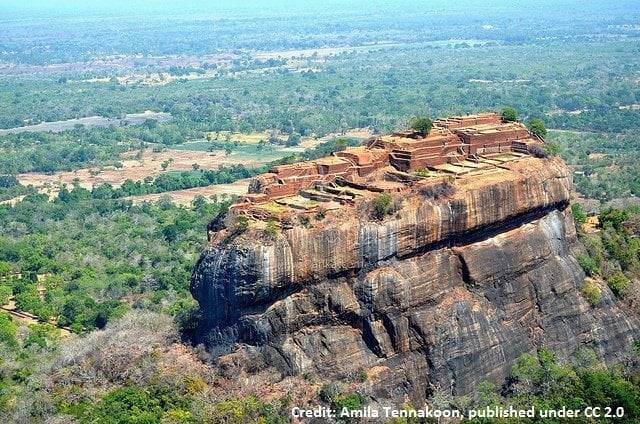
x,y
29,319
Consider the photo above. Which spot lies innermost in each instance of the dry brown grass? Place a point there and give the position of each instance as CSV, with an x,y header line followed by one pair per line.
x,y
249,138
143,349
591,225
12,201
148,165
184,197
137,166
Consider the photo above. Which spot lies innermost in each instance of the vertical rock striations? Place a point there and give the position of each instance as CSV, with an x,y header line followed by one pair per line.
x,y
444,292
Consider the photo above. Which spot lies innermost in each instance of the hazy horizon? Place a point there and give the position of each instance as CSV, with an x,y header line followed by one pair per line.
x,y
61,31
270,7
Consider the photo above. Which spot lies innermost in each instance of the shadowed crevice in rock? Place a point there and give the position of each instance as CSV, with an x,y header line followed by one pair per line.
x,y
465,275
429,298
488,231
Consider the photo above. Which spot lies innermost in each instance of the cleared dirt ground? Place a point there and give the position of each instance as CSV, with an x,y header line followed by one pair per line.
x,y
184,197
12,201
305,142
138,165
148,165
250,138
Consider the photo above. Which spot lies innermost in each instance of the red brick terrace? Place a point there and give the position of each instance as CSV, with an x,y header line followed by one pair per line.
x,y
455,146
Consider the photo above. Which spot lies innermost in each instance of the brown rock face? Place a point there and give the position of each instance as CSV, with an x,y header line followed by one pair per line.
x,y
445,292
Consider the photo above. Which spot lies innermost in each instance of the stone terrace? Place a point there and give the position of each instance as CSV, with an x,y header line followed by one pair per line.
x,y
456,147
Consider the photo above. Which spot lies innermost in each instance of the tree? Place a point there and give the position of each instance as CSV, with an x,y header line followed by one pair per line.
x,y
273,137
509,114
613,217
8,329
164,165
128,404
7,181
198,202
5,268
537,128
150,123
293,140
5,294
422,125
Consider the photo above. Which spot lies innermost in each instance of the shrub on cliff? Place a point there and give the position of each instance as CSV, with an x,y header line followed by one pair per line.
x,y
538,151
349,401
329,391
240,223
537,128
579,215
304,221
591,292
382,206
589,265
618,283
509,114
339,400
422,172
422,125
271,229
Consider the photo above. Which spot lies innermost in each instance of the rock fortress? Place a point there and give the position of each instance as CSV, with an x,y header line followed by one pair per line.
x,y
468,146
421,261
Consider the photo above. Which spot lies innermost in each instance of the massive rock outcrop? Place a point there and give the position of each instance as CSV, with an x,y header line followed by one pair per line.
x,y
443,292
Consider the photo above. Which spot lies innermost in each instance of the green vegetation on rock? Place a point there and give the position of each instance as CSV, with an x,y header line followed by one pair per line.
x,y
382,205
509,114
422,125
537,128
591,292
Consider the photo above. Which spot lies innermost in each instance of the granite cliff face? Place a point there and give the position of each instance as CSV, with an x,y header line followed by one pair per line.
x,y
444,292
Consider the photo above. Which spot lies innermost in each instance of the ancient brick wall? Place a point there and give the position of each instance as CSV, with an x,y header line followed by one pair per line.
x,y
451,140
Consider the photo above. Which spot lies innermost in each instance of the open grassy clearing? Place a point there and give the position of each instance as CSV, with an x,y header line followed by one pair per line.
x,y
137,166
250,138
185,197
258,136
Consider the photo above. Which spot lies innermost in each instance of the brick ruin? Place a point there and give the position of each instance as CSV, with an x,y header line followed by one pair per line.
x,y
455,146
